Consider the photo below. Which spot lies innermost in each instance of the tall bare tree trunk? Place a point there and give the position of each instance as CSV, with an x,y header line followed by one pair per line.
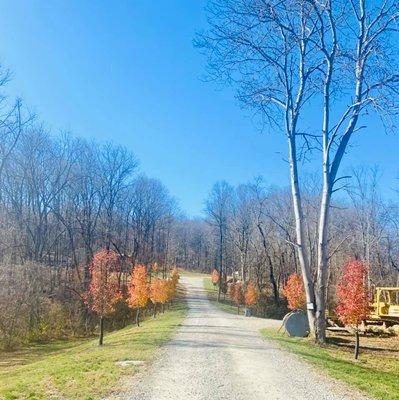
x,y
322,238
220,261
300,235
322,263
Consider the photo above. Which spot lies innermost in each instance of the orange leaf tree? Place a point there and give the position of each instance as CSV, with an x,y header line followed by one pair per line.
x,y
165,292
155,268
238,295
158,293
294,291
174,276
138,290
215,277
173,282
170,290
251,295
353,299
103,292
232,290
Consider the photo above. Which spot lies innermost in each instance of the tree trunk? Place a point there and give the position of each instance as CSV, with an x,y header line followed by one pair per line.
x,y
242,272
138,317
300,235
322,234
322,262
357,344
271,269
101,340
220,261
273,282
154,310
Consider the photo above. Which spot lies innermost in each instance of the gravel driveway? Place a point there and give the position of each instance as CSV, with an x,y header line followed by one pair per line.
x,y
216,355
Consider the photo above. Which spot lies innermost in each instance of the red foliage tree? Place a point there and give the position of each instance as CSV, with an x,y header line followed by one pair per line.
x,y
215,277
232,290
251,295
223,285
237,294
138,292
353,300
103,292
294,291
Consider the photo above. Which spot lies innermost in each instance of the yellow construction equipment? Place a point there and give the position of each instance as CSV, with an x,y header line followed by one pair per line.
x,y
385,307
384,310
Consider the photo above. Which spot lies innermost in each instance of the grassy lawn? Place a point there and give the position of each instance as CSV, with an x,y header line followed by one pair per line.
x,y
377,372
225,303
80,369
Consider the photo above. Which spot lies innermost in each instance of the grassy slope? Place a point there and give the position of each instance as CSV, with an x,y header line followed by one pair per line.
x,y
224,304
81,369
374,374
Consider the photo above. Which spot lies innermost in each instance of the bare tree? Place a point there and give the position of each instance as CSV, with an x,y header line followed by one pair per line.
x,y
218,209
282,55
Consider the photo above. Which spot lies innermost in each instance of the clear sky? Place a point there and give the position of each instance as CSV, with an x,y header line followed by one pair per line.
x,y
127,71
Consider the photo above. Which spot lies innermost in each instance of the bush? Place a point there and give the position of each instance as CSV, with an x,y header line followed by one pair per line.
x,y
36,306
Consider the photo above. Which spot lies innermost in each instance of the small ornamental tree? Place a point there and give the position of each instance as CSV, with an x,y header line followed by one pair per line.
x,y
215,277
232,291
155,268
251,295
103,292
158,293
164,293
174,277
223,285
294,291
239,297
173,282
353,299
138,292
170,290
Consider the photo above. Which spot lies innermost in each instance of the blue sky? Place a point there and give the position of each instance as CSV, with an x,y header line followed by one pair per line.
x,y
127,71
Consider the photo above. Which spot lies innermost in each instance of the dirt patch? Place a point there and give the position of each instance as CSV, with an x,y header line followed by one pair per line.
x,y
378,344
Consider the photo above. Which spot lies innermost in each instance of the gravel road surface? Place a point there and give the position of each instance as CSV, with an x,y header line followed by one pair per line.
x,y
216,355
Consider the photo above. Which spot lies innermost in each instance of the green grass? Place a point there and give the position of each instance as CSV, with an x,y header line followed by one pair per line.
x,y
225,304
375,374
186,272
80,369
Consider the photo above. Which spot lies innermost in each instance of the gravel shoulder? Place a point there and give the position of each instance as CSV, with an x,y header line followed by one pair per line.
x,y
216,355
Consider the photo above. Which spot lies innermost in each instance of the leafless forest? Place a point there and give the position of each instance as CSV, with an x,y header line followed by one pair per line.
x,y
62,197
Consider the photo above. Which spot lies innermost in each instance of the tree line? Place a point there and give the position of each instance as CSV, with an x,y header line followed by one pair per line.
x,y
317,72
249,234
62,199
